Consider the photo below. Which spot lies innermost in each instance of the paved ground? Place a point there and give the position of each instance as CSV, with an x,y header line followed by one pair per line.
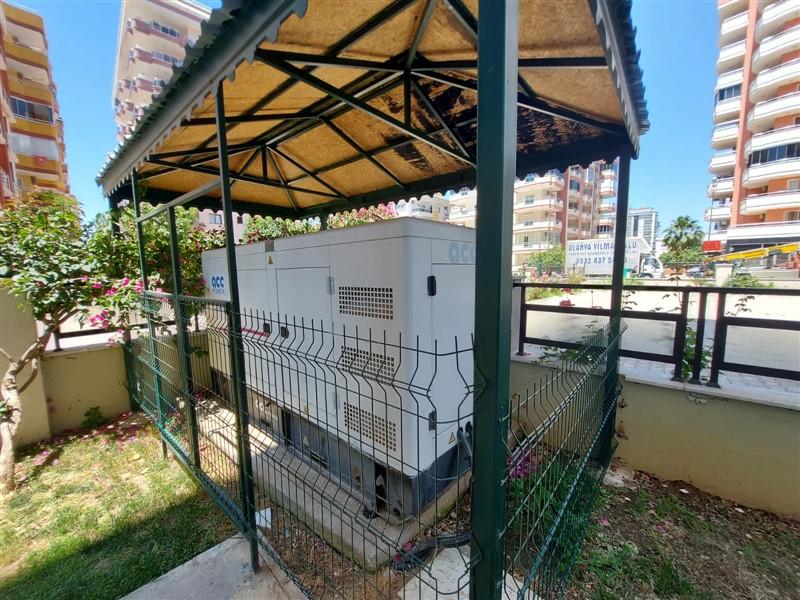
x,y
221,573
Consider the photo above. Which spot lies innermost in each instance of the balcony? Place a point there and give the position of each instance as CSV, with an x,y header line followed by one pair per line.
x,y
772,48
761,174
722,163
458,214
767,82
731,57
764,231
606,207
24,53
606,219
718,213
727,110
763,114
774,17
34,127
531,246
608,172
730,78
761,203
720,187
548,181
546,225
770,139
725,135
543,203
733,28
30,88
728,8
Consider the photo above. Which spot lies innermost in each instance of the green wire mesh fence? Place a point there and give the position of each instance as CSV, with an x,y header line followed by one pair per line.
x,y
344,455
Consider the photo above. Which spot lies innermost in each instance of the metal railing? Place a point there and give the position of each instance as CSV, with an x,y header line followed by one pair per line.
x,y
726,316
345,454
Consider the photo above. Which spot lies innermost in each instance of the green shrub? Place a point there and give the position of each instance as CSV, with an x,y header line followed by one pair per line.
x,y
743,280
92,418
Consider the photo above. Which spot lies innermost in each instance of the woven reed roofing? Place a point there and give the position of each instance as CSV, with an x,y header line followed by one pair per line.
x,y
345,102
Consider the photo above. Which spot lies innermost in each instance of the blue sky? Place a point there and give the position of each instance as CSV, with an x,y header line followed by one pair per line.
x,y
678,40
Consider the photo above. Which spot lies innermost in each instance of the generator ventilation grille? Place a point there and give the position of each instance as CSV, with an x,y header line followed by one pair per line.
x,y
372,427
375,302
368,364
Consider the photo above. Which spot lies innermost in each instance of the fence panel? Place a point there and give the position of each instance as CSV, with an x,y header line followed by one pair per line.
x,y
361,448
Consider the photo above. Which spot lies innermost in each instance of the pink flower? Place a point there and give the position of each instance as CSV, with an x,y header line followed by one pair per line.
x,y
85,278
125,281
111,291
159,290
97,285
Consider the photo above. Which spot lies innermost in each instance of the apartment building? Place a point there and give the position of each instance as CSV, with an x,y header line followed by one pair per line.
x,y
32,153
549,208
643,222
755,190
152,39
431,208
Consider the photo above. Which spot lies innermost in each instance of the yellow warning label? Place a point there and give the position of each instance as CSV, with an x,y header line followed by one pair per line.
x,y
452,438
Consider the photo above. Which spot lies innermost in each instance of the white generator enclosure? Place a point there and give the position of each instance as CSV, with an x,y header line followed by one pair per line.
x,y
358,352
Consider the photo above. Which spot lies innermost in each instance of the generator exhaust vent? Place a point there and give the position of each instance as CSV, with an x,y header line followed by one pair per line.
x,y
369,426
372,365
374,302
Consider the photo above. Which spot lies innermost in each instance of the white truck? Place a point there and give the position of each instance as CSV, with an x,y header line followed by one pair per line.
x,y
596,257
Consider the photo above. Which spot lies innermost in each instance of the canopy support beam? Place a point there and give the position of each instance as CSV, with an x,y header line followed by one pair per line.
x,y
497,155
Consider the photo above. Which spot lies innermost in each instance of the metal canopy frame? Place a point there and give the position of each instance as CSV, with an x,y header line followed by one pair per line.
x,y
490,160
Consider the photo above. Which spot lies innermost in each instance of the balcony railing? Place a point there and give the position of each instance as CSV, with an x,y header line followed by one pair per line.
x,y
730,56
722,162
728,314
733,28
763,114
771,49
759,203
725,135
775,16
767,81
772,138
726,110
716,213
546,202
546,225
760,174
720,187
766,230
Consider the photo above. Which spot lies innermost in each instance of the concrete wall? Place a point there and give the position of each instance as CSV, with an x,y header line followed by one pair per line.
x,y
77,380
742,450
17,332
69,382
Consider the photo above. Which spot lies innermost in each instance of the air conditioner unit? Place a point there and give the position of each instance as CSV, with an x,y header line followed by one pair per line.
x,y
359,328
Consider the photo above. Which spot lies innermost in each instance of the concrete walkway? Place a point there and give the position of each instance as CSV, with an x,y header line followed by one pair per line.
x,y
221,573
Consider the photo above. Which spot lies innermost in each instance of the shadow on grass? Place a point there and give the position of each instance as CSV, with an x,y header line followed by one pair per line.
x,y
119,563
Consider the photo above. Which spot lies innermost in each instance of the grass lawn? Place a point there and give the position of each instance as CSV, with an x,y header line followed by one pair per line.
x,y
98,513
659,539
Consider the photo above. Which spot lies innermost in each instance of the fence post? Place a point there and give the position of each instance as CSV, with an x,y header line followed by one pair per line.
x,y
523,321
151,330
497,154
697,364
184,350
618,276
720,338
680,337
235,329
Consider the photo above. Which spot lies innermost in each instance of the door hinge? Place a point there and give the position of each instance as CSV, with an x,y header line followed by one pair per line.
x,y
330,286
431,285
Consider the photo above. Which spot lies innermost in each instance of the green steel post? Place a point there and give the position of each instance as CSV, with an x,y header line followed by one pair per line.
x,y
184,352
151,330
497,154
235,329
618,269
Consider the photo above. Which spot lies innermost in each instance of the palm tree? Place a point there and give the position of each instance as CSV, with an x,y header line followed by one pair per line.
x,y
683,234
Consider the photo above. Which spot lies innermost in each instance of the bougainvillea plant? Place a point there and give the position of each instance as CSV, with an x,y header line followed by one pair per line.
x,y
46,265
373,214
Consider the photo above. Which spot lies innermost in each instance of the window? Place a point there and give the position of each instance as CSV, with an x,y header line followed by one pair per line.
x,y
171,60
773,154
733,91
215,219
793,215
797,120
166,30
34,146
793,184
574,184
239,219
31,110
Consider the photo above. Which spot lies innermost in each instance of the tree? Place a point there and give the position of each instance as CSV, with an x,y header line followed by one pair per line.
x,y
117,252
45,262
548,260
684,238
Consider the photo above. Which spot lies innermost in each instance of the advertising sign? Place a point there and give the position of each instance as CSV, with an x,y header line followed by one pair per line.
x,y
596,256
